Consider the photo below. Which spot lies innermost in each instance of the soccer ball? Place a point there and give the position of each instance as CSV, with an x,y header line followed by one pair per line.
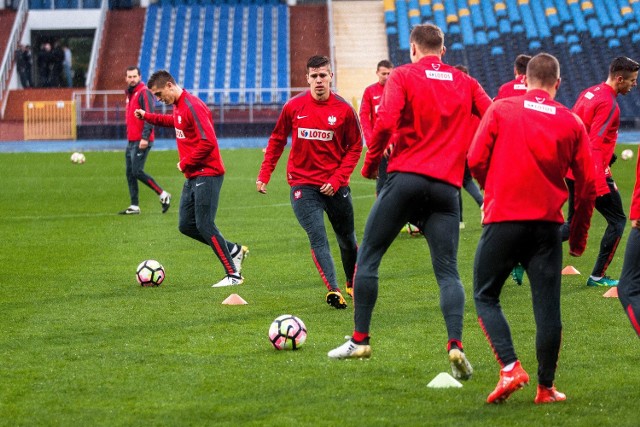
x,y
287,332
78,158
626,154
150,273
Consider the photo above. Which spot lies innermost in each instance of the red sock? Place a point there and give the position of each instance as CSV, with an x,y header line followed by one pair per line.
x,y
359,336
454,344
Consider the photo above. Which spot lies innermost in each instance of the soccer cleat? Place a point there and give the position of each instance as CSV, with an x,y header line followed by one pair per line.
x,y
517,274
603,281
349,287
229,280
460,366
165,200
351,350
549,395
238,258
335,299
462,226
509,382
131,210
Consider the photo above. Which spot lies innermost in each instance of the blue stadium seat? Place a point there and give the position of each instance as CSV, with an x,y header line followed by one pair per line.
x,y
232,71
147,40
497,50
613,43
192,46
575,49
175,61
221,54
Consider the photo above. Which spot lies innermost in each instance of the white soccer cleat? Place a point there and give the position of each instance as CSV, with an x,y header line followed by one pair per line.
x,y
350,350
460,366
239,258
131,210
229,280
165,200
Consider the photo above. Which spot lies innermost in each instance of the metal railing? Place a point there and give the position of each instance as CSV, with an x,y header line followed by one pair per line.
x,y
97,44
7,59
107,107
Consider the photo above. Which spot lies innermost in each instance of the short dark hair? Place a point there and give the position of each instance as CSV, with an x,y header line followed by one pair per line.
x,y
384,63
520,64
159,79
462,68
318,61
133,67
428,37
543,69
623,66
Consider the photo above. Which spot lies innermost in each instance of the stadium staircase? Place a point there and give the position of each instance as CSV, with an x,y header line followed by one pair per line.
x,y
487,35
359,48
7,17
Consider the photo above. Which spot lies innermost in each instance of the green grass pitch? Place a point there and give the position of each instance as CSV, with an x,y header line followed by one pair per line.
x,y
82,344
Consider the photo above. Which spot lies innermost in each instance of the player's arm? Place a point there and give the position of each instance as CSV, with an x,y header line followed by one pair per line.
x,y
481,101
352,142
602,115
634,212
366,115
584,174
145,100
389,110
479,154
164,120
275,148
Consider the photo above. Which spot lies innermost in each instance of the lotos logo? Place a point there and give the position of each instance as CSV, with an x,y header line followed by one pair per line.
x,y
179,134
317,134
332,120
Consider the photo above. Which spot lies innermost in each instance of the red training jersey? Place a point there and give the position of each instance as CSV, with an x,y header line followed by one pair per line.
x,y
426,107
515,87
520,155
326,141
197,143
138,97
600,113
369,109
634,213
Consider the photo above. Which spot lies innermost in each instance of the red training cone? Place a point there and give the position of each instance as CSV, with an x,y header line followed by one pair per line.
x,y
234,299
570,269
611,293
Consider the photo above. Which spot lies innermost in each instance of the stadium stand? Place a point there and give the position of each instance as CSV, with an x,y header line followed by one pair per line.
x,y
220,46
486,36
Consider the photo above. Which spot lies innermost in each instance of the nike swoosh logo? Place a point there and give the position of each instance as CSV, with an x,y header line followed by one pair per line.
x,y
345,194
199,184
376,97
302,117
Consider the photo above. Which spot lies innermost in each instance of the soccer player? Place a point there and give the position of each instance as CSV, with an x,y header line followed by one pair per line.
x,y
527,143
369,113
326,142
140,137
598,109
427,104
202,166
515,87
629,285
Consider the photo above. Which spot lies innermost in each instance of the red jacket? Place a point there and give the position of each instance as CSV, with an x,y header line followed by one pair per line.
x,y
427,106
520,155
515,87
634,213
138,97
197,143
600,113
326,141
369,109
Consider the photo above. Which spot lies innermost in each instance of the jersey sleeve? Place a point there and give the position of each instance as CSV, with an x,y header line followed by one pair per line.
x,y
164,120
601,119
352,140
276,144
584,194
366,115
479,154
147,104
391,106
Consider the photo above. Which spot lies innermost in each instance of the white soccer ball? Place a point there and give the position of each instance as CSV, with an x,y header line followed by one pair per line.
x,y
287,332
150,273
626,154
78,158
